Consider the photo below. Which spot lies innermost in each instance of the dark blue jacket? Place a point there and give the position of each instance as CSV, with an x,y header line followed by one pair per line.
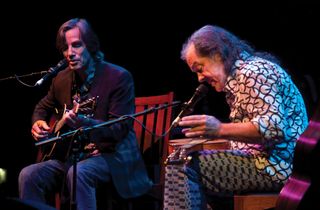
x,y
115,87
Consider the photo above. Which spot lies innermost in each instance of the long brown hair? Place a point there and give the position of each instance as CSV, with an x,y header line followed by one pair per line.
x,y
87,34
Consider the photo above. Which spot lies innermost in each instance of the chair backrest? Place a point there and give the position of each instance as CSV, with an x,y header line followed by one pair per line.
x,y
154,149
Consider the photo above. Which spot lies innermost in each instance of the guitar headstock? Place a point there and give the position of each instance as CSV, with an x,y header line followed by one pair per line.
x,y
88,106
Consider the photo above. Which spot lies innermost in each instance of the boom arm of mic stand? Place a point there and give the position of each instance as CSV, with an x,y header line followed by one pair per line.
x,y
122,118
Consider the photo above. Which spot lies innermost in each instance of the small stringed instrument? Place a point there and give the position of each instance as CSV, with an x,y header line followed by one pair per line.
x,y
179,149
58,149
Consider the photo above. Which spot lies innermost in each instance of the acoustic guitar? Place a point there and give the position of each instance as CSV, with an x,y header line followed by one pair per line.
x,y
302,190
59,149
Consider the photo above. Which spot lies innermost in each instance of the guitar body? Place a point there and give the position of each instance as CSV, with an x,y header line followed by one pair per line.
x,y
60,149
302,190
55,150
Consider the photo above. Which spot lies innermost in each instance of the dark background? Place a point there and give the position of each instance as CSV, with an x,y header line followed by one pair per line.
x,y
145,39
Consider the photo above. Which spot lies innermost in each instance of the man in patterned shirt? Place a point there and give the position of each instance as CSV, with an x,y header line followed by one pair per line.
x,y
267,114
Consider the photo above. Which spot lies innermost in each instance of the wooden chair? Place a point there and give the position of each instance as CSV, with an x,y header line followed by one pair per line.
x,y
154,148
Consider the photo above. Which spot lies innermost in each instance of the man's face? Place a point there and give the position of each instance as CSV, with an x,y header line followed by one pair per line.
x,y
210,70
76,52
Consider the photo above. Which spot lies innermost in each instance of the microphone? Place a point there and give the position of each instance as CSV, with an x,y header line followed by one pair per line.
x,y
187,108
53,71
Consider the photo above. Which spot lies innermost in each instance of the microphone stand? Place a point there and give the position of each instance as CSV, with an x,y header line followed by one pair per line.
x,y
17,77
20,76
122,118
76,145
75,158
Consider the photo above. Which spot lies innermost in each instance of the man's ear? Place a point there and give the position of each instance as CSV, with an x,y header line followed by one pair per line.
x,y
217,57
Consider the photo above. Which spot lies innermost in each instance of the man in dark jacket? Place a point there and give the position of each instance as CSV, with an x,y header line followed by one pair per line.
x,y
89,91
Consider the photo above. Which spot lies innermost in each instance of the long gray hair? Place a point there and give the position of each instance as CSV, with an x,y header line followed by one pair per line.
x,y
211,40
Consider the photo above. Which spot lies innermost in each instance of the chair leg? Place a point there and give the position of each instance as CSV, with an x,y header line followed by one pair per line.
x,y
57,201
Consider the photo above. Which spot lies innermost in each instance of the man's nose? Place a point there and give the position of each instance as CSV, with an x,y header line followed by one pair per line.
x,y
201,78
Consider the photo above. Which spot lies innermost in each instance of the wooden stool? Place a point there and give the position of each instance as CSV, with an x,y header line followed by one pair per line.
x,y
261,201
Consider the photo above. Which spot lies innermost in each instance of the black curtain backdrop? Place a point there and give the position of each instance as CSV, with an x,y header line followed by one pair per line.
x,y
146,39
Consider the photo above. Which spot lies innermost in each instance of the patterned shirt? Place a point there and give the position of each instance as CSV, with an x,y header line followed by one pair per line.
x,y
261,92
